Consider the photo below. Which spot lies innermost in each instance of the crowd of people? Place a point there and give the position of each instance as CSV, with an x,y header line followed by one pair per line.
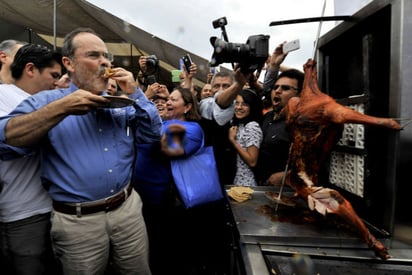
x,y
89,189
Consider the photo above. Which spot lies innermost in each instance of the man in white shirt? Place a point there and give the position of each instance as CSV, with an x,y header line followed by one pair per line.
x,y
25,205
216,112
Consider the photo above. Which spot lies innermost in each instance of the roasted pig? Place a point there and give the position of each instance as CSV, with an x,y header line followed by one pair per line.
x,y
315,122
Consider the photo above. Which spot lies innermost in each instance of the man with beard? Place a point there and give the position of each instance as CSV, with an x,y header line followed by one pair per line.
x,y
274,148
86,159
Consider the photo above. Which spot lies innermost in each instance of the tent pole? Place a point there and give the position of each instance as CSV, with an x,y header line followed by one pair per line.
x,y
131,55
54,24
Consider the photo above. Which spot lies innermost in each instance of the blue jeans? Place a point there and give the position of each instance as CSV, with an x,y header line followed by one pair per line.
x,y
26,247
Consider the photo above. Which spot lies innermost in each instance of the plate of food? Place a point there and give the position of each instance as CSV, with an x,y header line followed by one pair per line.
x,y
118,101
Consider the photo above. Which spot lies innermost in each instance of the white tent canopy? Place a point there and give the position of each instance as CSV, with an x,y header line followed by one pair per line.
x,y
52,20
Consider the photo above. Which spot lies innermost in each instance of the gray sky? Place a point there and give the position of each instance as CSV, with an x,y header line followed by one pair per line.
x,y
188,24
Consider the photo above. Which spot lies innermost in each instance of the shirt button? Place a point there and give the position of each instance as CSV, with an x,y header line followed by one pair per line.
x,y
100,130
111,191
106,149
110,171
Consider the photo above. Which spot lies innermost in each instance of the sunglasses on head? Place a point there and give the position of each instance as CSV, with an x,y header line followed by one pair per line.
x,y
284,87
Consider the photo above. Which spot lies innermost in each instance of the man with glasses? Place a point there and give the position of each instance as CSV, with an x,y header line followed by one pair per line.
x,y
274,149
87,155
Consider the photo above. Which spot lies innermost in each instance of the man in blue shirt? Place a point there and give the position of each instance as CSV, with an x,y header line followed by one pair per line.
x,y
87,155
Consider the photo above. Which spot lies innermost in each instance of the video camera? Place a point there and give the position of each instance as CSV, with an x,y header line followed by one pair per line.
x,y
251,56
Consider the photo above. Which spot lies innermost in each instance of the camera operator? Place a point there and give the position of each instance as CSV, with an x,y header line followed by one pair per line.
x,y
148,67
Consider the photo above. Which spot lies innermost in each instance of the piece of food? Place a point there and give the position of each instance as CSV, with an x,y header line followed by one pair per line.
x,y
315,122
240,193
108,72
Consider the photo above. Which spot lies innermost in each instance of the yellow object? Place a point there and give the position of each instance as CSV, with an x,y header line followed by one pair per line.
x,y
240,193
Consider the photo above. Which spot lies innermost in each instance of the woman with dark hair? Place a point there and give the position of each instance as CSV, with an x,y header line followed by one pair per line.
x,y
245,135
152,168
175,232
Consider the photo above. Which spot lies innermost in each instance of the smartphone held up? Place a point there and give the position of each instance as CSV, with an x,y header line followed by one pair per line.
x,y
187,62
291,46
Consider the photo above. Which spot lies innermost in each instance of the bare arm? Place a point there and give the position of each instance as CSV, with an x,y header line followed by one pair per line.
x,y
249,154
226,98
188,76
28,129
275,61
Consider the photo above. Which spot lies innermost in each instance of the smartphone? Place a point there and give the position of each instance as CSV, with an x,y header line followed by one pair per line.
x,y
187,61
291,46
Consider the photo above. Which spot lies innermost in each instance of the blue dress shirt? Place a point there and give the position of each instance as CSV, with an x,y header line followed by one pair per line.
x,y
88,157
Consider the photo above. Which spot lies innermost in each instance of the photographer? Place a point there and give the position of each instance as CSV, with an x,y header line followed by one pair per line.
x,y
148,67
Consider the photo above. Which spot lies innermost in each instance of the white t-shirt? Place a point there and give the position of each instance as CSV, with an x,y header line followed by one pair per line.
x,y
22,194
209,109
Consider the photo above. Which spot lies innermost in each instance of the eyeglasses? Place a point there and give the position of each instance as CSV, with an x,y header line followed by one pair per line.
x,y
97,55
284,87
241,104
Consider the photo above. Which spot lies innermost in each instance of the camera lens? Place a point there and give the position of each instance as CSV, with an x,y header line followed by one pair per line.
x,y
152,63
250,55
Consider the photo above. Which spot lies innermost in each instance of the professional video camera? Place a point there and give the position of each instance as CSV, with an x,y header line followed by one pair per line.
x,y
251,56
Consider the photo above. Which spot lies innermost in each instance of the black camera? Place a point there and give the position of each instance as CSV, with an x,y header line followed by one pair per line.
x,y
152,63
150,79
251,56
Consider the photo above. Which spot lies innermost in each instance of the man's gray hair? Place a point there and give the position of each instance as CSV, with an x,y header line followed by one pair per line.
x,y
7,46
